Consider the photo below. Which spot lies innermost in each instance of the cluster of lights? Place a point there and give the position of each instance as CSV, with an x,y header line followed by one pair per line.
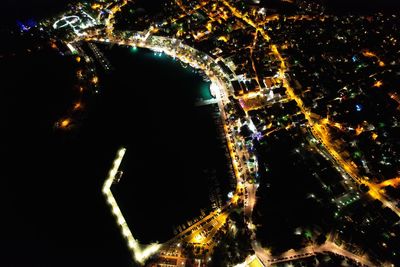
x,y
216,89
140,254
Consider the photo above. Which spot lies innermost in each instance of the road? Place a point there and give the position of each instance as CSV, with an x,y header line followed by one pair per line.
x,y
308,251
318,131
203,231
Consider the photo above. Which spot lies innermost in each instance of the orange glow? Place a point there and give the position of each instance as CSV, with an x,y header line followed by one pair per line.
x,y
78,59
53,45
374,194
374,136
347,168
353,164
235,199
95,80
318,130
378,84
65,123
381,64
96,6
368,54
209,26
338,125
77,105
393,182
223,38
359,130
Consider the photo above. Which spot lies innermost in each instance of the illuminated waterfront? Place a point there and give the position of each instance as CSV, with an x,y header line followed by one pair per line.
x,y
167,131
306,108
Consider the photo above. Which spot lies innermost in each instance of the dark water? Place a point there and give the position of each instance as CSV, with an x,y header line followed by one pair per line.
x,y
172,146
55,212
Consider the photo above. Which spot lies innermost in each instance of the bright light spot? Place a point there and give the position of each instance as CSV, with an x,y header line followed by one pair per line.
x,y
95,80
251,226
65,123
214,89
126,232
378,84
115,210
252,127
121,152
70,47
96,6
198,238
77,105
369,54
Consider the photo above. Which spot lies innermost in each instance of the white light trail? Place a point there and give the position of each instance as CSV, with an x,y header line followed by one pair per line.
x,y
140,253
71,48
68,21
